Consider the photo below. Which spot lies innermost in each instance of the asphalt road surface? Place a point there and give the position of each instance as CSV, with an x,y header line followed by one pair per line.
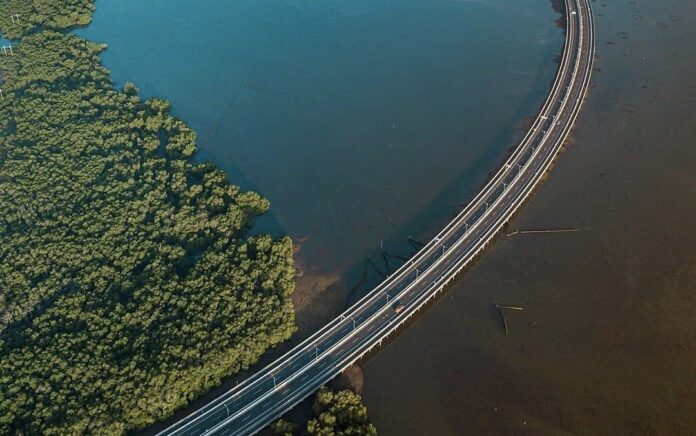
x,y
266,395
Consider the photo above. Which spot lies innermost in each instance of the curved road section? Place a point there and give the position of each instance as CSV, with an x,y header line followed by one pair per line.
x,y
256,402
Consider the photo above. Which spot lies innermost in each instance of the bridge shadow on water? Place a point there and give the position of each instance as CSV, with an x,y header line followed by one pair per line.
x,y
363,275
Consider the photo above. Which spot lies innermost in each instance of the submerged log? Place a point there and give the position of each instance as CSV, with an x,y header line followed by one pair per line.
x,y
523,232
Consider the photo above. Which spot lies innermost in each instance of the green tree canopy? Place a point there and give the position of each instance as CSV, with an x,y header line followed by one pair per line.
x,y
128,283
339,413
42,14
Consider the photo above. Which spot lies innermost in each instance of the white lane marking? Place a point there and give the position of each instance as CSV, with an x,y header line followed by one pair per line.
x,y
539,164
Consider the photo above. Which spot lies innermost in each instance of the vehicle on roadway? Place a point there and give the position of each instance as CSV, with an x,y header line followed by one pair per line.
x,y
253,404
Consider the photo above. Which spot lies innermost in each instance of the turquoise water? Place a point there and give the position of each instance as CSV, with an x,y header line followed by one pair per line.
x,y
361,121
3,42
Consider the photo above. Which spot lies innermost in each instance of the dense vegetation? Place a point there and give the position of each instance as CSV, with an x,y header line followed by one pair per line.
x,y
128,283
339,413
43,14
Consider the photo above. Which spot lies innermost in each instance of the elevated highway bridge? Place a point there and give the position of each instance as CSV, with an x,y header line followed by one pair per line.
x,y
267,394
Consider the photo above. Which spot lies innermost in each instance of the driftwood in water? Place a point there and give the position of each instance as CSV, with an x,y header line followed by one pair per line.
x,y
502,318
500,308
523,232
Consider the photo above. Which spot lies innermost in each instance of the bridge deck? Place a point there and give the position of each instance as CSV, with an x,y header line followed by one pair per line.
x,y
271,391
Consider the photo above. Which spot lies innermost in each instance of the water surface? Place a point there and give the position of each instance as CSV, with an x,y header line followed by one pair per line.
x,y
360,120
606,343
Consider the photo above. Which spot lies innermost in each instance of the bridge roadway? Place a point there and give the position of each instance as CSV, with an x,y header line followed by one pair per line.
x,y
264,396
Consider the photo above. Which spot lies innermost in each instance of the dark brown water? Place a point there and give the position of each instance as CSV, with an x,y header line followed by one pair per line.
x,y
607,341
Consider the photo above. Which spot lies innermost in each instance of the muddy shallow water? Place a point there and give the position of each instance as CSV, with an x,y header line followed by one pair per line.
x,y
605,343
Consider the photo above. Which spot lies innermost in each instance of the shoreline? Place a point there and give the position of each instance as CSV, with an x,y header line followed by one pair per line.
x,y
317,290
526,173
